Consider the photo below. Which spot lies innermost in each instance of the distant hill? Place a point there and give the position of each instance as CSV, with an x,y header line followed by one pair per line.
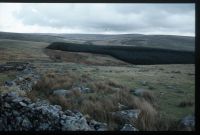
x,y
154,41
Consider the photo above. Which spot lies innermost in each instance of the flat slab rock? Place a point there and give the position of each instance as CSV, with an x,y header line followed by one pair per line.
x,y
128,127
127,115
61,92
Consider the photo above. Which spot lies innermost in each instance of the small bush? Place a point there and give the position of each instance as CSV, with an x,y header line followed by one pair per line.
x,y
186,103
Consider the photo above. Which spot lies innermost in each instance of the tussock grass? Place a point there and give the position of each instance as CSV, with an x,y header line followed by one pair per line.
x,y
104,99
149,96
53,81
148,116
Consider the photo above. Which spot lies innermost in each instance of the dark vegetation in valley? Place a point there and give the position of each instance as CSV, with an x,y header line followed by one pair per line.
x,y
134,55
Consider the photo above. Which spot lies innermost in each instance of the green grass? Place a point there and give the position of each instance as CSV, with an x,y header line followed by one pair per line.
x,y
6,76
129,76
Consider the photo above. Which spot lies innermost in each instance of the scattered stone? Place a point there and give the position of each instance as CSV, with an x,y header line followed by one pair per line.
x,y
22,104
144,83
9,83
98,126
121,107
43,126
138,92
26,124
62,92
188,122
83,89
128,127
15,113
7,105
127,115
40,116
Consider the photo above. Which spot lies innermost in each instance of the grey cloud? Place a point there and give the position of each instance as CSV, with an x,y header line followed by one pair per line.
x,y
111,17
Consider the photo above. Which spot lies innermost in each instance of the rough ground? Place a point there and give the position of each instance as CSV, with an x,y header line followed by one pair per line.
x,y
99,86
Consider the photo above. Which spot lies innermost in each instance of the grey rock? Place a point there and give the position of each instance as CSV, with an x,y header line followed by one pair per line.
x,y
171,87
12,94
31,105
23,104
74,124
127,115
83,89
61,92
98,126
26,100
43,116
7,105
26,124
121,106
17,99
43,126
69,113
144,83
19,68
128,127
16,113
9,83
139,91
188,121
18,120
63,117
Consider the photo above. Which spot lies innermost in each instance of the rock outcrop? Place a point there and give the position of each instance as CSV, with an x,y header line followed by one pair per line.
x,y
187,123
127,115
128,127
21,114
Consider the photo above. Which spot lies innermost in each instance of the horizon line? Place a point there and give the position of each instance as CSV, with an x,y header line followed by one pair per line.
x,y
99,33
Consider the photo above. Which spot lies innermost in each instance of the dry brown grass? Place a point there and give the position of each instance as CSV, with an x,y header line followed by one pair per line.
x,y
52,81
105,86
164,123
82,58
114,84
149,96
61,100
99,104
148,116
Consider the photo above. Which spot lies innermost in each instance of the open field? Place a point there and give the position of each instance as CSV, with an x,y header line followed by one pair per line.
x,y
170,87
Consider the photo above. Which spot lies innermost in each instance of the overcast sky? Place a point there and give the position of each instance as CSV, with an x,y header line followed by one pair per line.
x,y
167,19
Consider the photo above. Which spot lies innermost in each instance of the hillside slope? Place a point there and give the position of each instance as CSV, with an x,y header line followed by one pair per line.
x,y
155,41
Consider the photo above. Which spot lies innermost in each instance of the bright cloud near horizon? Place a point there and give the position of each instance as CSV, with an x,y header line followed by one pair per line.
x,y
98,18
